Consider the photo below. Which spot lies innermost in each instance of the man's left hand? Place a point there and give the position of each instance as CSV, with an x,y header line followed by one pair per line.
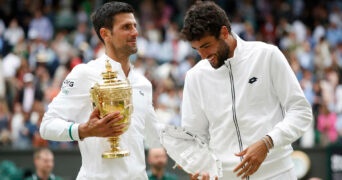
x,y
253,156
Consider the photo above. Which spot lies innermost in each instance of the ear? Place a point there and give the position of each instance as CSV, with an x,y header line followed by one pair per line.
x,y
224,32
104,33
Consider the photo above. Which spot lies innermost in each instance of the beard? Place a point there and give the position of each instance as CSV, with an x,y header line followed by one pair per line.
x,y
125,50
222,53
130,50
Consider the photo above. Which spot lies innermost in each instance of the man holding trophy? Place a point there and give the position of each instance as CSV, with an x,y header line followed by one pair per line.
x,y
105,105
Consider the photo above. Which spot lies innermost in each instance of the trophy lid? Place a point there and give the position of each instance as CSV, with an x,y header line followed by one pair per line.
x,y
110,78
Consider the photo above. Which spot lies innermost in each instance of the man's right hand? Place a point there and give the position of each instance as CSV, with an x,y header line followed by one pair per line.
x,y
105,127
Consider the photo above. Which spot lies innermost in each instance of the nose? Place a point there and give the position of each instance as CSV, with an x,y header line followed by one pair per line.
x,y
135,31
202,53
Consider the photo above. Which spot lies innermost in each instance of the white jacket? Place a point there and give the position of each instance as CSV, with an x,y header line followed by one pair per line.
x,y
255,93
73,105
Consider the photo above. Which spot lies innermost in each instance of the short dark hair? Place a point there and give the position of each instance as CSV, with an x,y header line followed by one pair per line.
x,y
39,151
104,16
202,19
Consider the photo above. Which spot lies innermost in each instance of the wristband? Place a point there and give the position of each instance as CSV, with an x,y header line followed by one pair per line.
x,y
270,141
70,134
266,143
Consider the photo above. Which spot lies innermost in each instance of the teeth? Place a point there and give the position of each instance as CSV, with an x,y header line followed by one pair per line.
x,y
211,58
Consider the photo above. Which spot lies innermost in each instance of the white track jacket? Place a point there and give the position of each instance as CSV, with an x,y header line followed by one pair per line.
x,y
255,93
73,105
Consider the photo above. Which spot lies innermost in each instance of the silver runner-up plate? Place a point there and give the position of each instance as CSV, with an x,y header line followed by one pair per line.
x,y
190,151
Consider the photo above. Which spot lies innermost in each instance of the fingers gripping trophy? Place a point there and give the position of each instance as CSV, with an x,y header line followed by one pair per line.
x,y
113,95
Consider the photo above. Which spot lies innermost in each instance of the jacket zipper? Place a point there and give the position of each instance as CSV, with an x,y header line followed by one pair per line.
x,y
231,77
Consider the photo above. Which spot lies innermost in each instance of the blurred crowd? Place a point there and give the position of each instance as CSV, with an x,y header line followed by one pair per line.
x,y
42,40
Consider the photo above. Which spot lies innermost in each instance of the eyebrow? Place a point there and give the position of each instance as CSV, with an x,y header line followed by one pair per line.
x,y
205,44
129,24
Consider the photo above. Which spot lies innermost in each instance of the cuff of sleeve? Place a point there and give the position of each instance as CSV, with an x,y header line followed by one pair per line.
x,y
74,132
275,138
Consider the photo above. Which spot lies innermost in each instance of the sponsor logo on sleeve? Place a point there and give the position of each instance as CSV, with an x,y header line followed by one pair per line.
x,y
67,85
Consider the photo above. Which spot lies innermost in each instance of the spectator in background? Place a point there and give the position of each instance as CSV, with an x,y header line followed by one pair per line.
x,y
326,125
10,64
2,81
17,126
27,130
43,160
157,159
334,30
338,55
305,56
307,85
62,47
41,25
322,58
5,137
10,171
268,29
14,33
2,41
338,95
81,35
30,94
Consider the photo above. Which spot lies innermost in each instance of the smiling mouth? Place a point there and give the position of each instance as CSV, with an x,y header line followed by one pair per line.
x,y
211,58
133,40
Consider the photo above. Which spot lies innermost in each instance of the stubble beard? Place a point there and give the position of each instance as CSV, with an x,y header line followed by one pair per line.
x,y
128,50
221,54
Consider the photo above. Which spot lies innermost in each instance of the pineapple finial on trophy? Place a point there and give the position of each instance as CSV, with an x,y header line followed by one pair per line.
x,y
109,76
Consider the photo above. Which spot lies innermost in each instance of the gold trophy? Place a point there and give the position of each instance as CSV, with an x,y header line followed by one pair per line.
x,y
113,95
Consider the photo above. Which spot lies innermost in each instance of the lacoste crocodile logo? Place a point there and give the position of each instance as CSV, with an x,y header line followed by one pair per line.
x,y
252,80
